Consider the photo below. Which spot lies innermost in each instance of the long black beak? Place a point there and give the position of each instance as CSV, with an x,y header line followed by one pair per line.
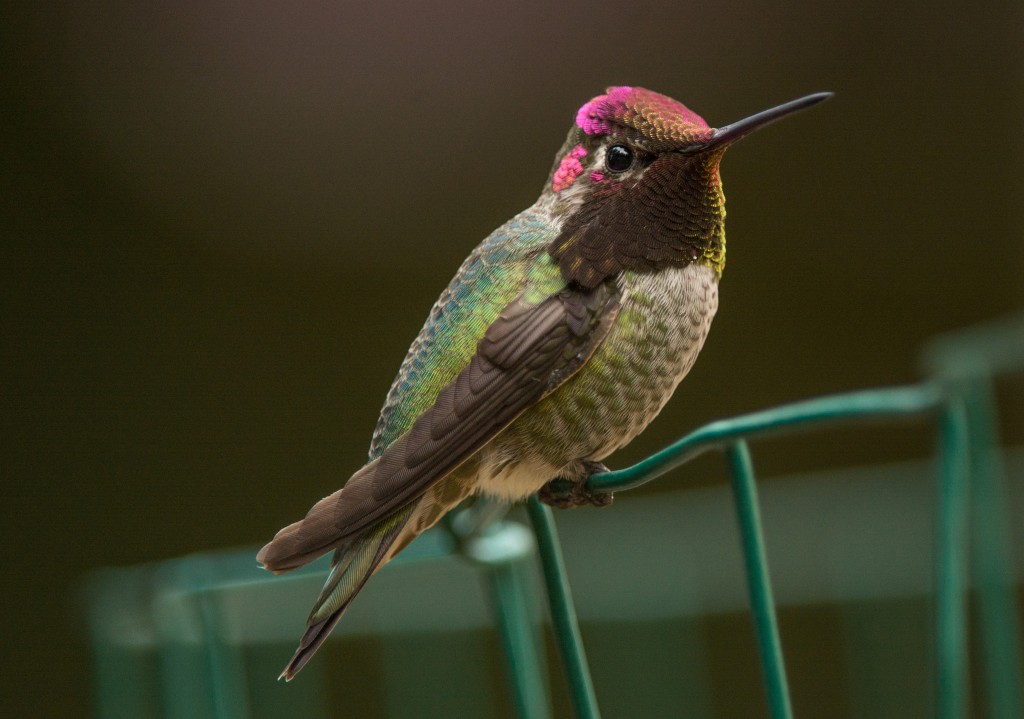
x,y
729,134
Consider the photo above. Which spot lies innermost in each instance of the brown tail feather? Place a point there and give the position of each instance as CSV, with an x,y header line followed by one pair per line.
x,y
352,565
301,542
356,557
308,645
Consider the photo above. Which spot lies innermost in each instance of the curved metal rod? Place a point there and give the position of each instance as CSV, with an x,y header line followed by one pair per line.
x,y
755,560
869,404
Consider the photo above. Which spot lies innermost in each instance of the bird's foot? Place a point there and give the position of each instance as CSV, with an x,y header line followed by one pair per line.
x,y
568,492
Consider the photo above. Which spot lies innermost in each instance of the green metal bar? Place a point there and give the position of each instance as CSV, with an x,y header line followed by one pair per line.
x,y
230,695
966,360
123,643
756,562
521,641
991,556
951,572
506,550
563,611
890,402
994,347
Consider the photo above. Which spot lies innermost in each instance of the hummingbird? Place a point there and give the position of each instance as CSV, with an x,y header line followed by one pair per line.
x,y
559,339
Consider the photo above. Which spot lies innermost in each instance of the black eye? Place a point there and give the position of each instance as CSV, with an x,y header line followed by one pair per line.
x,y
618,158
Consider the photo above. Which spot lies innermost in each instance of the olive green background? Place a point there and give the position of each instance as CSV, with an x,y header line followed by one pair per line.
x,y
223,222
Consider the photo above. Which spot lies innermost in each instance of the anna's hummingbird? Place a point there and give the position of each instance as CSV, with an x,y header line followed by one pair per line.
x,y
559,339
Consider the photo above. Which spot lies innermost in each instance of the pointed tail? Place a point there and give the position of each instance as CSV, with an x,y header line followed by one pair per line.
x,y
353,563
355,558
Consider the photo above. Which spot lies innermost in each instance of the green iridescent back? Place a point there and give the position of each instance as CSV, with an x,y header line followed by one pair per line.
x,y
512,259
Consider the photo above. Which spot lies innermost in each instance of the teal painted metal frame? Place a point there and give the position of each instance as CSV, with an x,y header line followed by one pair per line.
x,y
972,535
961,401
730,435
563,612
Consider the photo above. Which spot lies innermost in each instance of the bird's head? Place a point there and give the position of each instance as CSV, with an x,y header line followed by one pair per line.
x,y
637,185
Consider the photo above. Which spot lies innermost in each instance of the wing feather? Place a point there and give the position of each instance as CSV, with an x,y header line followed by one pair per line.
x,y
530,350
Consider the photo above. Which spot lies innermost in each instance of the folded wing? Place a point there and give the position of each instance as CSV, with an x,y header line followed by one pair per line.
x,y
528,352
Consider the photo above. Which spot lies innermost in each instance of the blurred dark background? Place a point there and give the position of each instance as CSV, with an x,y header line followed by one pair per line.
x,y
223,222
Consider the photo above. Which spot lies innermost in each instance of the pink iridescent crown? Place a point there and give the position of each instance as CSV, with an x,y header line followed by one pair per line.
x,y
655,116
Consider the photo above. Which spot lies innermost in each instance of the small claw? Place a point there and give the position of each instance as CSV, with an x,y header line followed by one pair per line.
x,y
597,499
569,492
556,493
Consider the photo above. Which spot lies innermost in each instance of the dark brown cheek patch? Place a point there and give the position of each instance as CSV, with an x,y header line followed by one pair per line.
x,y
671,217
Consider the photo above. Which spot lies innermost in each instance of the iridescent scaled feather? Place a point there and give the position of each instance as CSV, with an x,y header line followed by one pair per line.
x,y
658,118
559,339
496,272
